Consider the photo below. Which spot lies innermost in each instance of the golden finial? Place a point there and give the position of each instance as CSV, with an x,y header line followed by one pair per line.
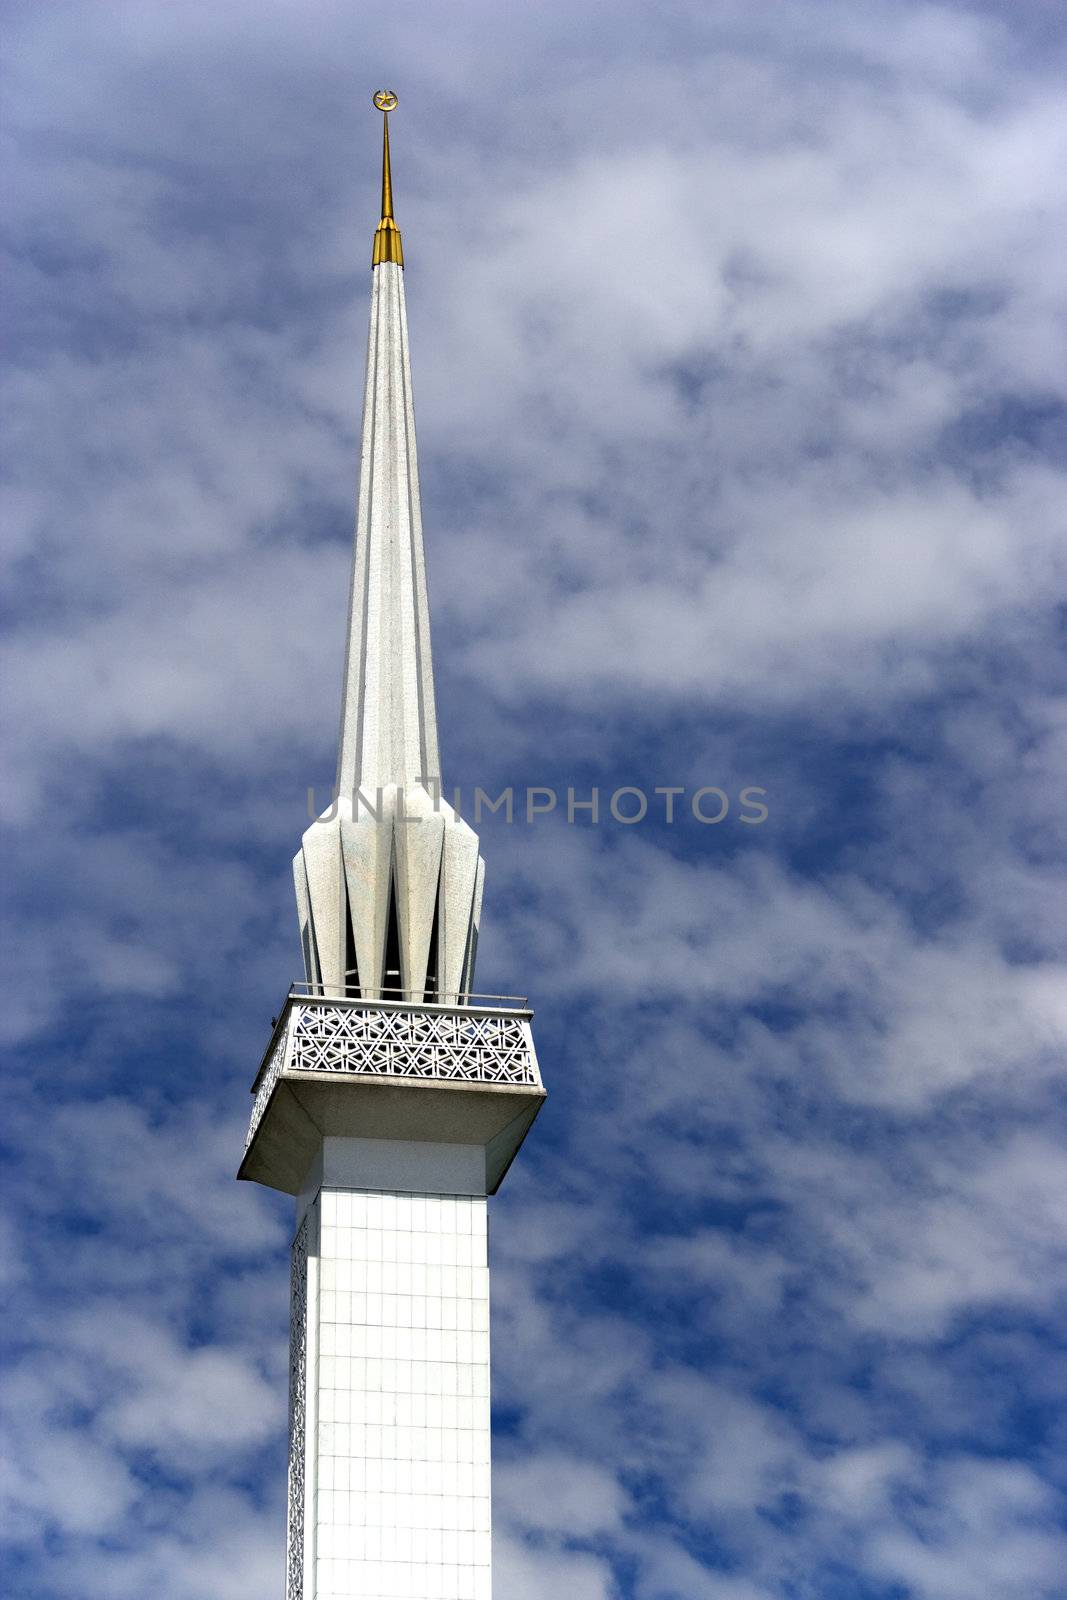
x,y
387,245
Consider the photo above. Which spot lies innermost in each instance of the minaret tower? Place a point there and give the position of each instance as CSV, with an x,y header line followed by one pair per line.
x,y
391,1098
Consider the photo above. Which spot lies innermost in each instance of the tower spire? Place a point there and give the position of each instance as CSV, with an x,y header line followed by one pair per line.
x,y
388,883
387,243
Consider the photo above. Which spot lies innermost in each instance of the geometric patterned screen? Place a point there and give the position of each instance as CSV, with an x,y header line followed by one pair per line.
x,y
298,1320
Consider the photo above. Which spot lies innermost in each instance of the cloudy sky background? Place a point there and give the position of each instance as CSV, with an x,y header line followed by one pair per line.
x,y
740,370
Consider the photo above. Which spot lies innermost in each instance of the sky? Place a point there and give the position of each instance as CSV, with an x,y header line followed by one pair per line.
x,y
738,341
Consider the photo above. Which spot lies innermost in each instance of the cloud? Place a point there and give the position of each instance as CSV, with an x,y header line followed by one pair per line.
x,y
738,356
552,1493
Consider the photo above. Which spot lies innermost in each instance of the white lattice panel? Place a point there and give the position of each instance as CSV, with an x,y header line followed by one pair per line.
x,y
412,1044
271,1074
298,1308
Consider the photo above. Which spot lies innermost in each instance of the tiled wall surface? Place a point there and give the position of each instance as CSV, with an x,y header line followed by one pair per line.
x,y
401,1398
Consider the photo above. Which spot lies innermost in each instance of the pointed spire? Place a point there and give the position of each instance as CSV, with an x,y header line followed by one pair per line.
x,y
389,880
388,718
387,245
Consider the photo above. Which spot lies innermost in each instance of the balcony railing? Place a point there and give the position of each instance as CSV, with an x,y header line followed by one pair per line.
x,y
338,1031
392,995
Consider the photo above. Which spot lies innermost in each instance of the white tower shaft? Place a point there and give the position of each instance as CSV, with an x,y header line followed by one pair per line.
x,y
389,1474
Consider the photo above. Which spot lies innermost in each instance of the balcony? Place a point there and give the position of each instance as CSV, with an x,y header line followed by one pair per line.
x,y
329,1042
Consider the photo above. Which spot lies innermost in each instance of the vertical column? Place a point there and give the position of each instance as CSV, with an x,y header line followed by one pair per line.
x,y
397,1500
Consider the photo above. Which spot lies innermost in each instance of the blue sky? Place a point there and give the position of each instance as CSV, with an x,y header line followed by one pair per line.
x,y
738,346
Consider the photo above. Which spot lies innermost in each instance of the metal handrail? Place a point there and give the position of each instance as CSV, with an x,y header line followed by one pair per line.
x,y
390,995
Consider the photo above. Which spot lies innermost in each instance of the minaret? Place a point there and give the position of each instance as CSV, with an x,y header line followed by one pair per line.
x,y
391,1099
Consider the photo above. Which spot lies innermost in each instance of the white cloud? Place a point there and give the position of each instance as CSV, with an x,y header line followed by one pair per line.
x,y
555,1494
736,331
526,1572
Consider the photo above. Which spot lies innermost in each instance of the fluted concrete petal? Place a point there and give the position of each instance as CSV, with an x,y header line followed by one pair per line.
x,y
418,831
476,923
326,893
458,879
367,850
303,912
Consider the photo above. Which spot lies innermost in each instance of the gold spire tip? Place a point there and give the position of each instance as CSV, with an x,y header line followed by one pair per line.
x,y
387,245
